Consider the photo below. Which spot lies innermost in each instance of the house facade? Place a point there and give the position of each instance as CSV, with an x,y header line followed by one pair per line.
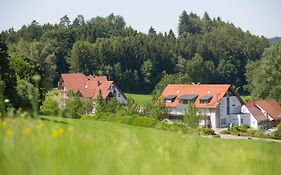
x,y
263,114
88,87
218,104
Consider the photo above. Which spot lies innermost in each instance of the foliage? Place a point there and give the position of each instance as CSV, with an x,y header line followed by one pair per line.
x,y
87,106
206,50
132,107
2,99
159,110
264,76
100,106
277,133
50,106
206,131
7,74
73,106
190,117
112,105
169,79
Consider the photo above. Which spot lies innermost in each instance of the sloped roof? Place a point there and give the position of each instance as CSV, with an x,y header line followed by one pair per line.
x,y
74,81
217,91
87,86
271,106
256,112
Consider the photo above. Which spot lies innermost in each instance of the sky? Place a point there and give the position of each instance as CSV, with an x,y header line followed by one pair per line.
x,y
260,17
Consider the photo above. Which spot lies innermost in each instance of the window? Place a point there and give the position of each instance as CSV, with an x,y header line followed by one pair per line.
x,y
184,102
170,98
119,94
241,121
205,99
227,105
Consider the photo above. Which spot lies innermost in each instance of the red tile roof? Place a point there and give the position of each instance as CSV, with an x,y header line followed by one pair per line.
x,y
271,106
256,112
87,86
217,91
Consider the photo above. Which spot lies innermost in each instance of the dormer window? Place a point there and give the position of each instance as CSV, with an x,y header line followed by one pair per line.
x,y
189,98
205,99
170,98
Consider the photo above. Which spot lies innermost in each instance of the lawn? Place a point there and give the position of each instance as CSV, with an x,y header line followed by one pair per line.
x,y
68,146
141,99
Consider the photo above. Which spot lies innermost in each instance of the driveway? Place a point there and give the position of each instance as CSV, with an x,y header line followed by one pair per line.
x,y
228,136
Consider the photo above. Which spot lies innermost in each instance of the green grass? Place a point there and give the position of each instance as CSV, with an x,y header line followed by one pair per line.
x,y
66,146
140,99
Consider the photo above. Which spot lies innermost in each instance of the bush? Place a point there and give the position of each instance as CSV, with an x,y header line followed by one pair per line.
x,y
190,117
49,106
73,106
243,128
225,131
144,121
206,131
277,134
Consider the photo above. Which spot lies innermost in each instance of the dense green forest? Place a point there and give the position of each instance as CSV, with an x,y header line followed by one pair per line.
x,y
203,50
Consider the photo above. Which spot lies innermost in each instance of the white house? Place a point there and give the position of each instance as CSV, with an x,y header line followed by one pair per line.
x,y
218,104
89,87
263,114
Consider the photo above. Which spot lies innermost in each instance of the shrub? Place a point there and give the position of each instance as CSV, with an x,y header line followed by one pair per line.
x,y
144,121
243,128
49,106
87,106
158,110
251,132
190,117
277,134
226,131
206,131
73,106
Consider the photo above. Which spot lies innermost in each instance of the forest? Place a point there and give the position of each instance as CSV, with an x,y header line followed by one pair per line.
x,y
203,50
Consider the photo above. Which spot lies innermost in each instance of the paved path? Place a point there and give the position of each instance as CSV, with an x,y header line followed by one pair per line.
x,y
227,136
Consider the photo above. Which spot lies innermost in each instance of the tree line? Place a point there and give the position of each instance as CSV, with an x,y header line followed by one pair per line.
x,y
204,50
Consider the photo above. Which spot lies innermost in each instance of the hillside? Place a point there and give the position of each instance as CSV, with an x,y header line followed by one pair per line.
x,y
65,146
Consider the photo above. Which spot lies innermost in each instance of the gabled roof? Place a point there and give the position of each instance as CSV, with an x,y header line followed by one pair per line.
x,y
217,91
74,81
87,86
271,106
256,112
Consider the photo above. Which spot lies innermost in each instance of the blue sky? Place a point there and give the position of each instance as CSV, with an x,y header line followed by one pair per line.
x,y
260,17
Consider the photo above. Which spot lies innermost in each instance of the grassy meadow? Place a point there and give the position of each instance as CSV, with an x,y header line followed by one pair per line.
x,y
76,146
140,99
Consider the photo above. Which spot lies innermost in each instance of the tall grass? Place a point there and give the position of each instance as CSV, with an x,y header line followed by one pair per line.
x,y
71,146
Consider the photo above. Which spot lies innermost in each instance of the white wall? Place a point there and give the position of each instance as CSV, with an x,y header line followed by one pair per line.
x,y
119,96
234,108
211,113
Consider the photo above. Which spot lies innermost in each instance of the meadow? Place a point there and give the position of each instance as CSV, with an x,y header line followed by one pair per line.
x,y
140,99
75,146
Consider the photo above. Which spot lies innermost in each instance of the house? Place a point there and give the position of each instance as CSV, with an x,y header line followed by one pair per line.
x,y
218,104
89,87
264,114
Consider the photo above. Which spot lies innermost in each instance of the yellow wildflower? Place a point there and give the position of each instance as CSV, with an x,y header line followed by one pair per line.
x,y
27,131
57,133
9,133
39,126
2,123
